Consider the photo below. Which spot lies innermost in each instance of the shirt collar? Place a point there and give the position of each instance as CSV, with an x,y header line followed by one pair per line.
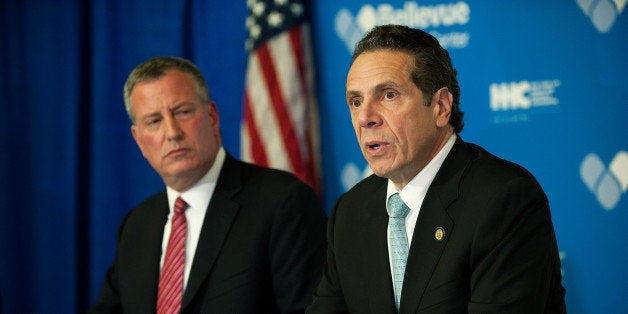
x,y
414,192
199,194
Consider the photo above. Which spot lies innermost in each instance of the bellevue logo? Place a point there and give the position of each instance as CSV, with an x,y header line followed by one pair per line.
x,y
351,29
607,184
603,13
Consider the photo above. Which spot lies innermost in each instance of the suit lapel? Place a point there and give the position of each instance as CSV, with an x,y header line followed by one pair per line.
x,y
220,214
375,252
426,249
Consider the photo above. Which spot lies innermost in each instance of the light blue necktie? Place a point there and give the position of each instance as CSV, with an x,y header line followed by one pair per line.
x,y
397,211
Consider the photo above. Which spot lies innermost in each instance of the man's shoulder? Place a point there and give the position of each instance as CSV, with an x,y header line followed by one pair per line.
x,y
148,207
152,209
368,185
365,192
487,173
159,198
255,174
488,164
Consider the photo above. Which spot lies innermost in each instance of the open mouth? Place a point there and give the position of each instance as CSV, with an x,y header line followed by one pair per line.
x,y
375,147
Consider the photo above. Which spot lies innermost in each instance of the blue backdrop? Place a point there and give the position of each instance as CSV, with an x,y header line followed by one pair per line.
x,y
543,84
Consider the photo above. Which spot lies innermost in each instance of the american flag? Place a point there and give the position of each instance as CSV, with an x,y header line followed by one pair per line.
x,y
280,115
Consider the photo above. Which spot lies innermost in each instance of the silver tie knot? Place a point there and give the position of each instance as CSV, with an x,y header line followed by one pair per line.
x,y
396,207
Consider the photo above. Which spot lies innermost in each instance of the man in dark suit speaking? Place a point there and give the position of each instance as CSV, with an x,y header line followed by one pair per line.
x,y
224,236
442,226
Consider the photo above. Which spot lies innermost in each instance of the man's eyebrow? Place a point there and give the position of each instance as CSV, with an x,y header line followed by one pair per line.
x,y
180,105
376,88
150,115
352,93
384,85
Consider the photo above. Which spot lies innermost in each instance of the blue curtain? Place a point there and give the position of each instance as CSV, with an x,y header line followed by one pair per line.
x,y
69,167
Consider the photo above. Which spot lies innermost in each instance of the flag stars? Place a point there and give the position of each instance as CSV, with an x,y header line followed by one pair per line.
x,y
250,22
275,19
255,31
257,7
268,17
297,9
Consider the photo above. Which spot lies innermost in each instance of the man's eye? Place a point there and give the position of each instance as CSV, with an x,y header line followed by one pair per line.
x,y
356,103
152,121
183,112
390,95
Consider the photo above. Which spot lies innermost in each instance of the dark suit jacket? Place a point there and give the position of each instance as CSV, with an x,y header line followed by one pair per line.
x,y
261,248
498,253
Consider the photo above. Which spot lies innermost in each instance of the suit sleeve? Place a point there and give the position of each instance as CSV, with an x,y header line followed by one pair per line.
x,y
297,247
328,297
514,265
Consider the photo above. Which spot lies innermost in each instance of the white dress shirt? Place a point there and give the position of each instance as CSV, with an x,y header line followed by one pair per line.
x,y
414,192
197,198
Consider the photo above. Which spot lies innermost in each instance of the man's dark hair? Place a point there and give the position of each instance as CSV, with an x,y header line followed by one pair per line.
x,y
433,68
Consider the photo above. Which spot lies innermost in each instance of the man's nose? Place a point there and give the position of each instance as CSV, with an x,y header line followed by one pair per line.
x,y
369,115
172,129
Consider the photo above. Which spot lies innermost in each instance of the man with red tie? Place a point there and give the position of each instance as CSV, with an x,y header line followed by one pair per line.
x,y
224,236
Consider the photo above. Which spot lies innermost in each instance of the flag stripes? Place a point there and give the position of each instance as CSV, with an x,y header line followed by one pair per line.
x,y
280,115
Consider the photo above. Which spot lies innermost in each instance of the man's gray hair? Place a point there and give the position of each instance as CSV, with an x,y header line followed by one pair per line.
x,y
154,69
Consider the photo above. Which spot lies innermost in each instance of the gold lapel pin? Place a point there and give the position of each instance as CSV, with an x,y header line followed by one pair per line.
x,y
439,234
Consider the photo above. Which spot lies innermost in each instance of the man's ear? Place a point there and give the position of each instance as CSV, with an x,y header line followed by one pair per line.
x,y
212,111
136,137
443,104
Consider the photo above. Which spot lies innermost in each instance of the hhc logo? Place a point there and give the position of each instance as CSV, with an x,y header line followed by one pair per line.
x,y
523,94
603,13
513,102
607,184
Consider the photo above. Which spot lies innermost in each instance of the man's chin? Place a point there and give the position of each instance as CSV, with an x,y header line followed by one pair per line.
x,y
181,168
379,171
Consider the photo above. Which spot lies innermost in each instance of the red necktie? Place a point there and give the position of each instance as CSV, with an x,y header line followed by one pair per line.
x,y
170,291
